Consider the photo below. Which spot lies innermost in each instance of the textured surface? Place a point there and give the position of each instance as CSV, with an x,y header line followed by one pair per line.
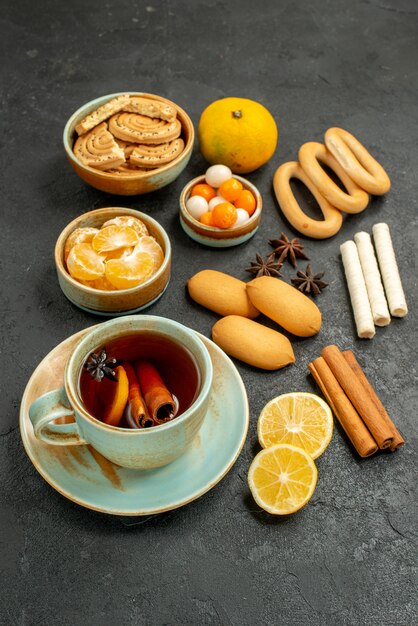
x,y
348,557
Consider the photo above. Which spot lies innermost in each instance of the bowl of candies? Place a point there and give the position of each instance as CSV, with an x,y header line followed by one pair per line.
x,y
220,209
113,261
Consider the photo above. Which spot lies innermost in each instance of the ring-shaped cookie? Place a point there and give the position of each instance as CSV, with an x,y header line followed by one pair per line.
x,y
311,156
316,229
356,161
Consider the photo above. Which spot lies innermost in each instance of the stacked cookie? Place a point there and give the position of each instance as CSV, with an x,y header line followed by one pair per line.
x,y
359,173
129,134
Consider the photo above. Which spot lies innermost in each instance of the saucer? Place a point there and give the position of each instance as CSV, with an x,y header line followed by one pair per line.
x,y
84,476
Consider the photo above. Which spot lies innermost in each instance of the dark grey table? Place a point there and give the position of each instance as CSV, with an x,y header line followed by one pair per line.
x,y
349,556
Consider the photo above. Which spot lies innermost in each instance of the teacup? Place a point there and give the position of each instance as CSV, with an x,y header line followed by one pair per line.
x,y
133,448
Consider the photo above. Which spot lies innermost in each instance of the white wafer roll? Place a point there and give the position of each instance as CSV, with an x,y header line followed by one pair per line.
x,y
389,270
358,292
377,299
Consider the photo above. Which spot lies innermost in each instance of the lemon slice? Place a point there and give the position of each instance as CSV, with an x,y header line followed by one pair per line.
x,y
300,419
282,479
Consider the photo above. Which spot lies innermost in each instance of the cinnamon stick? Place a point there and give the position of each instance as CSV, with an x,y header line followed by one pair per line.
x,y
136,409
342,408
360,396
161,404
398,440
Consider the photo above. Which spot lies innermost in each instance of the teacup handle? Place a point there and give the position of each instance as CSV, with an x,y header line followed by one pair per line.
x,y
46,409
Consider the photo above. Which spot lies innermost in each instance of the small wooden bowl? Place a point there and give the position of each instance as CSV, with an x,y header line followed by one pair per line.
x,y
219,237
122,301
131,185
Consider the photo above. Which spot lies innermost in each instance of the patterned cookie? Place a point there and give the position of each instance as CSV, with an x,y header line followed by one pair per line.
x,y
102,113
151,108
156,155
99,149
141,129
126,146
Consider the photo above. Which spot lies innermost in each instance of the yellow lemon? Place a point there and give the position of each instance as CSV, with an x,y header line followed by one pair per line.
x,y
282,479
237,132
300,419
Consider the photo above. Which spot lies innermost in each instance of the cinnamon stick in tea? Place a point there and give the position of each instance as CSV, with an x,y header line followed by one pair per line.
x,y
359,395
161,405
342,408
398,440
136,409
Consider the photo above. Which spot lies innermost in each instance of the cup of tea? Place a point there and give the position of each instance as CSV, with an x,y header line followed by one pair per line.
x,y
116,366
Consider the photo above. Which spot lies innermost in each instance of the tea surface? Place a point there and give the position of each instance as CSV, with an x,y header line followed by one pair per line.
x,y
174,362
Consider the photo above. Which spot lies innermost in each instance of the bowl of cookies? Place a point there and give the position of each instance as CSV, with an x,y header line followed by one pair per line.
x,y
113,261
129,143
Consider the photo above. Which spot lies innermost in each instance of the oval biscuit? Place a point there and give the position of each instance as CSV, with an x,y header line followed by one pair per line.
x,y
221,293
285,305
253,343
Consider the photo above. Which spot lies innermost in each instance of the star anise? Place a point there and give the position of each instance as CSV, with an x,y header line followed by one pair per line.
x,y
288,249
267,267
308,282
100,366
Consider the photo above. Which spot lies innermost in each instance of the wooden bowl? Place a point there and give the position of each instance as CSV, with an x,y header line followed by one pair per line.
x,y
121,301
131,185
219,237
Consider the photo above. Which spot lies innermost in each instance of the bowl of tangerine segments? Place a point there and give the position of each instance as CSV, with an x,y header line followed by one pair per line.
x,y
113,261
220,209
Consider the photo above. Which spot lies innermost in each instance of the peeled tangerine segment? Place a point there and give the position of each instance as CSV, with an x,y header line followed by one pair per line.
x,y
282,479
79,235
300,419
114,237
128,220
151,245
130,271
84,263
119,253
